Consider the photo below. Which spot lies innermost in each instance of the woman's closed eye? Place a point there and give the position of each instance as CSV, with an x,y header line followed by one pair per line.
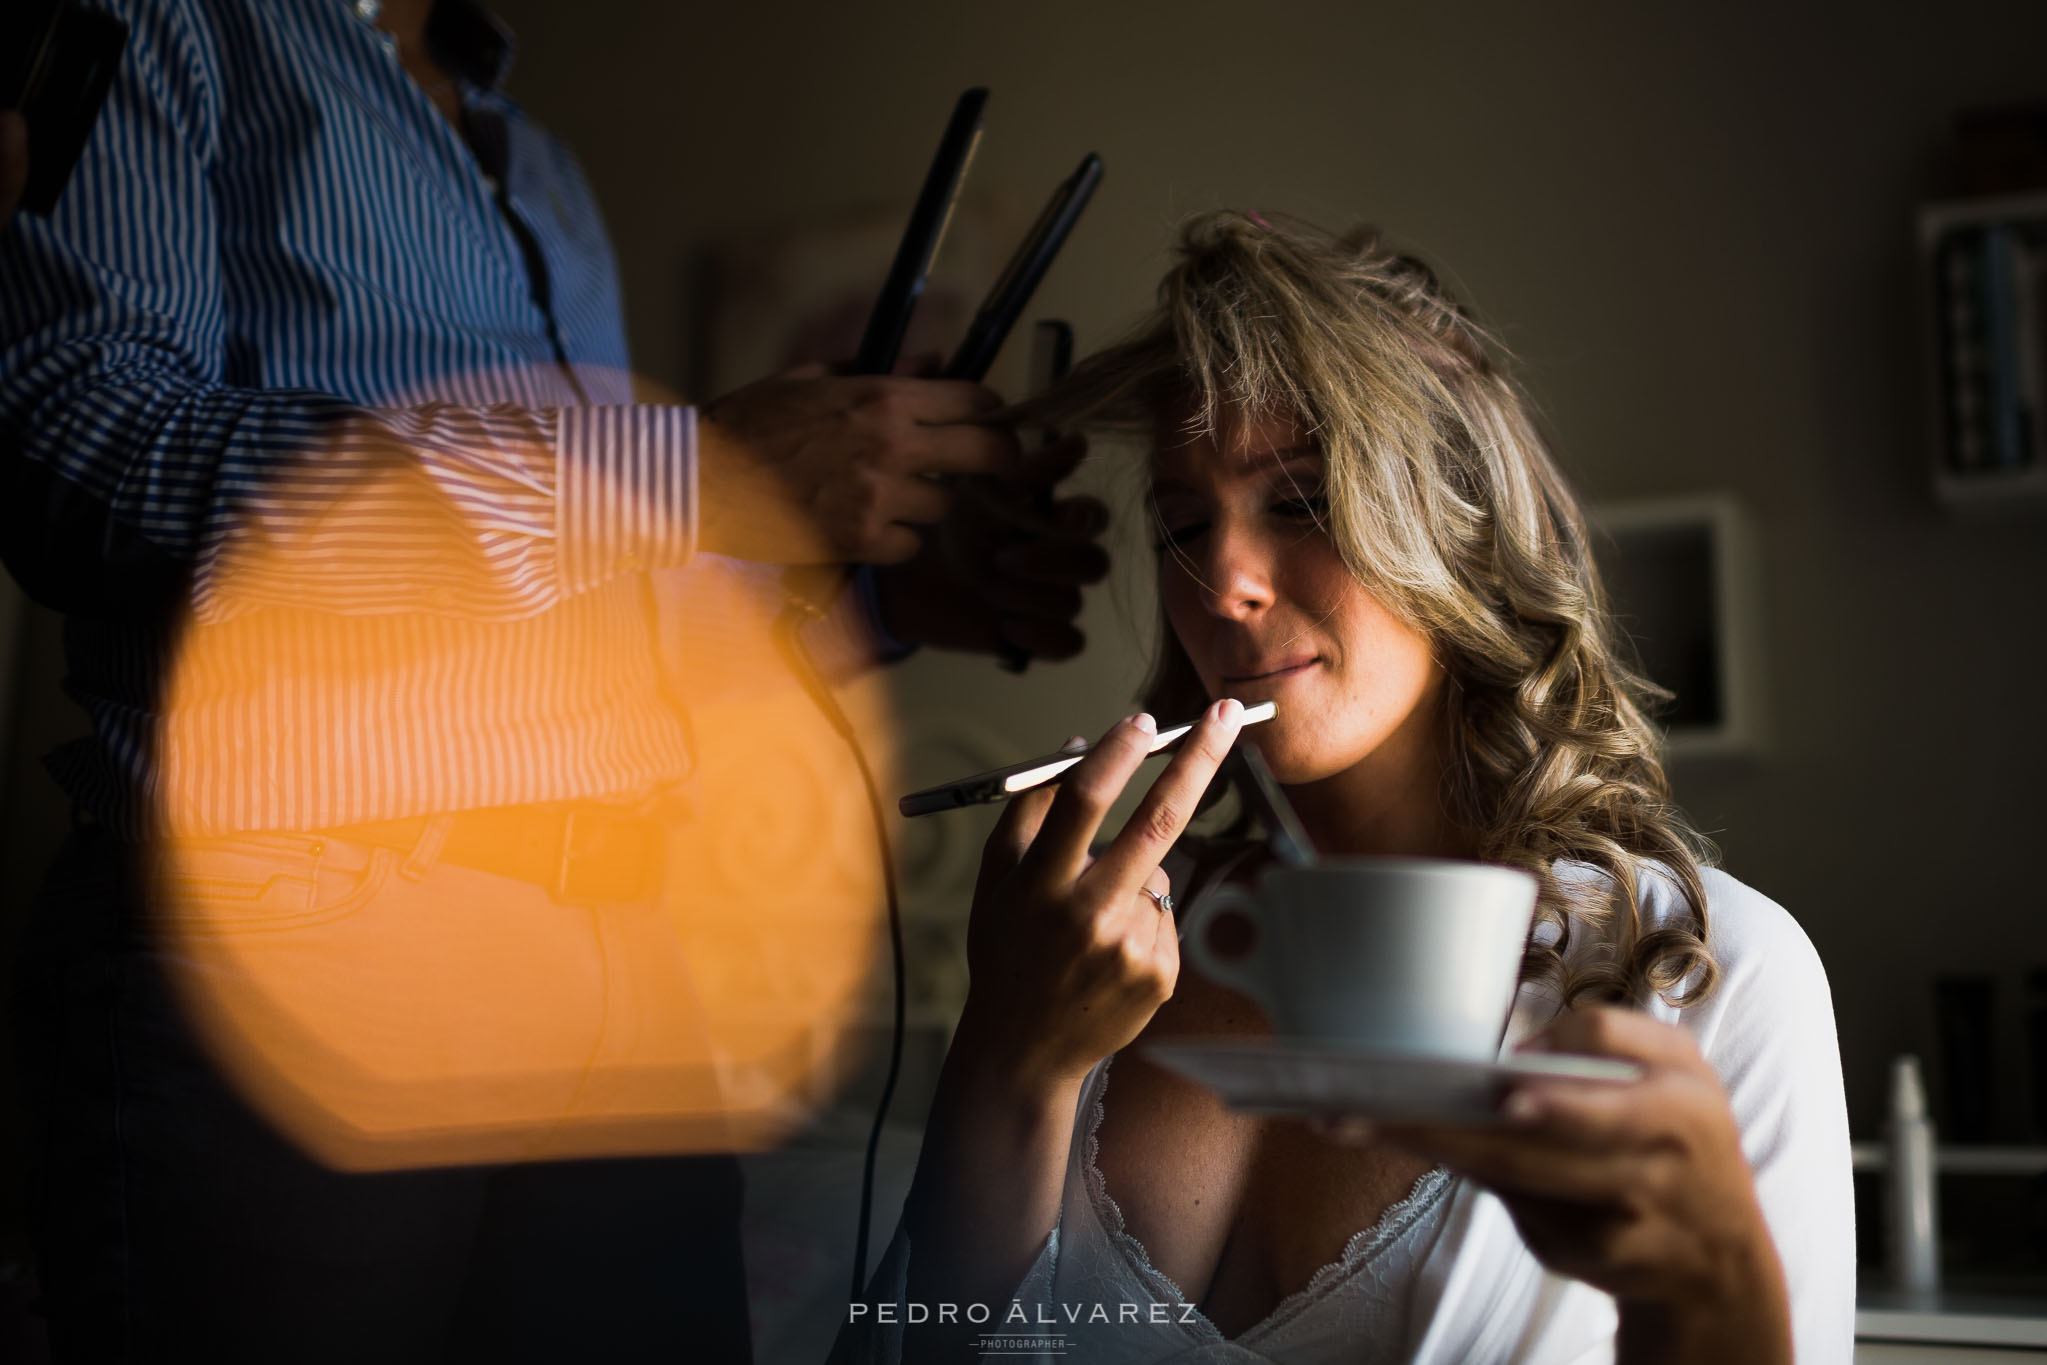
x,y
1172,537
1309,509
1312,507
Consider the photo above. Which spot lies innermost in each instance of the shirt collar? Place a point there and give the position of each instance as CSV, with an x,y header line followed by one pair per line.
x,y
470,41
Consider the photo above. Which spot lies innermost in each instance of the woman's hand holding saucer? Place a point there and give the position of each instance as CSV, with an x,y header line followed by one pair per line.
x,y
1070,955
1639,1189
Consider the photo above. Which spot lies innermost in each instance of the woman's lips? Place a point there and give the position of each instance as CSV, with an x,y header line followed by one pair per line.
x,y
1272,674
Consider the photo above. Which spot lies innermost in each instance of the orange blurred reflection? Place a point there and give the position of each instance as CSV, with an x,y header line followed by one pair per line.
x,y
390,1006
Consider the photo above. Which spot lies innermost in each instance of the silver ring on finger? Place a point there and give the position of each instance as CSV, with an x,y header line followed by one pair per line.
x,y
1164,902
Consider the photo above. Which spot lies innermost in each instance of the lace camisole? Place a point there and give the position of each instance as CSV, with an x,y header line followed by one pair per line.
x,y
1352,1310
1093,1294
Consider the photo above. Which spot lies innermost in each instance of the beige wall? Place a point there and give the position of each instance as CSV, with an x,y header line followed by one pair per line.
x,y
1692,222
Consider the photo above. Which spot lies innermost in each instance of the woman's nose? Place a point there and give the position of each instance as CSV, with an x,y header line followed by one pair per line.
x,y
1237,577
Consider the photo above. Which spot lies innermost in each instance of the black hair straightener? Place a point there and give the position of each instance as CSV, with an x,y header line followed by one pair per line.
x,y
1013,289
1052,341
881,343
890,320
993,320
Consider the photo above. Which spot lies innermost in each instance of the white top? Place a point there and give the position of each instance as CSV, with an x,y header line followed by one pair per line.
x,y
1444,1277
1769,1033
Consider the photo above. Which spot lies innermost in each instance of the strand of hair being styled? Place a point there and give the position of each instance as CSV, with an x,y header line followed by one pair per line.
x,y
1446,504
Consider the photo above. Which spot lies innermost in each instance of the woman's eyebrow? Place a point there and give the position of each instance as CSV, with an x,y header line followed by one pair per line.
x,y
1277,458
1302,464
1298,463
1289,463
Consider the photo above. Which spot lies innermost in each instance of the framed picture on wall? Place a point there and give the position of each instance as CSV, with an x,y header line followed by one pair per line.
x,y
1682,575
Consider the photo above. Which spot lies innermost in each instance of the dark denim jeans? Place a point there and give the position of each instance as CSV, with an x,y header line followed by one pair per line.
x,y
174,1225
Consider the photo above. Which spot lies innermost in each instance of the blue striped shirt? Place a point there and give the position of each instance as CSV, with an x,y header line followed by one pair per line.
x,y
296,363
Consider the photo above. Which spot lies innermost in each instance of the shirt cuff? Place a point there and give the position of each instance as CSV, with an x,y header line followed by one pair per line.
x,y
626,496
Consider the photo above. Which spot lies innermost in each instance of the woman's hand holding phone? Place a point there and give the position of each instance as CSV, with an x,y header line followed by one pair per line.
x,y
1069,959
1068,955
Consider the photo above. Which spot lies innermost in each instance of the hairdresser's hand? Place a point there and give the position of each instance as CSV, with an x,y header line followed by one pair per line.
x,y
1639,1189
814,468
1067,956
998,572
13,162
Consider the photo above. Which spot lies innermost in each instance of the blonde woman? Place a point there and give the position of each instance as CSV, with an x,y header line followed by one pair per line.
x,y
1358,518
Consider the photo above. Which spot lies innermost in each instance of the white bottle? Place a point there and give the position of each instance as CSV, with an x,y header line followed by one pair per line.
x,y
1912,1208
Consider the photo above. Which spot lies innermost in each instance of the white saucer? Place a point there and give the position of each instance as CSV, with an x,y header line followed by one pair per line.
x,y
1326,1080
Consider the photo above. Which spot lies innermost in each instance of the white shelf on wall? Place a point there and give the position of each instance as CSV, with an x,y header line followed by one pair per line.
x,y
1948,1322
1991,490
1962,1159
1684,578
1982,270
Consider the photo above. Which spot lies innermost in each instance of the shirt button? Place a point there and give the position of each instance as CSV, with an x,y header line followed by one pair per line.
x,y
368,10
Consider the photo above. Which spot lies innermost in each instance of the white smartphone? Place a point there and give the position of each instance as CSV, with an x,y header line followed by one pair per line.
x,y
1003,783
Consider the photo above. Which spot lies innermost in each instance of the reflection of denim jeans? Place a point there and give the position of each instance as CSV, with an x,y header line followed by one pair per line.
x,y
174,1224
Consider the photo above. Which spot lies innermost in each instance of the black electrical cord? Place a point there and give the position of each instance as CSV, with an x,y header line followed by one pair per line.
x,y
799,611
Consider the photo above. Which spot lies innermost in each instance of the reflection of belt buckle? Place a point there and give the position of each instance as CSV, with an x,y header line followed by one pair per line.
x,y
605,857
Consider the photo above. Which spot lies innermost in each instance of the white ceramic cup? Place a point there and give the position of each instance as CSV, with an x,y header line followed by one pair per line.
x,y
1413,955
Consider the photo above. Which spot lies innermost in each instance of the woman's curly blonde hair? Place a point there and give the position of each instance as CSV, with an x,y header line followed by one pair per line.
x,y
1445,502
